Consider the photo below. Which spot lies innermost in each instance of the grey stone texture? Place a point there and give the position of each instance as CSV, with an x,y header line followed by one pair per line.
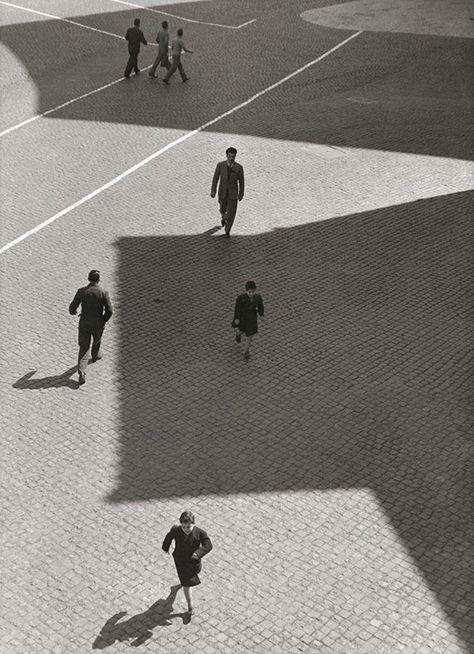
x,y
333,471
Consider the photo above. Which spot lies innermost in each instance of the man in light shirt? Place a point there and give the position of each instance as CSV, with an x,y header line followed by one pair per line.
x,y
162,39
177,47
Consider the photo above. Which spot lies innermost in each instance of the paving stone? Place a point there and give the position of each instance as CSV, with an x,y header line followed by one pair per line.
x,y
332,471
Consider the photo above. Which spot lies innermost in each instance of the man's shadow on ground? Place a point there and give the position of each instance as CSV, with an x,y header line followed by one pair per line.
x,y
53,381
139,628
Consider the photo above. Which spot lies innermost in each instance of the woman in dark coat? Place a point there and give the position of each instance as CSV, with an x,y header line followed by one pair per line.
x,y
247,306
190,544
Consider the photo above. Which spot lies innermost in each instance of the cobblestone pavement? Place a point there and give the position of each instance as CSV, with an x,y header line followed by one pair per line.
x,y
413,16
333,471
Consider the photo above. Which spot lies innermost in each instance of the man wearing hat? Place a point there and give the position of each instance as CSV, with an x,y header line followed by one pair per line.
x,y
96,310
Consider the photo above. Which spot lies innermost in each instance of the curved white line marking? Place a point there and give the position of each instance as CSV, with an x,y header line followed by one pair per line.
x,y
64,104
64,20
247,23
188,20
162,150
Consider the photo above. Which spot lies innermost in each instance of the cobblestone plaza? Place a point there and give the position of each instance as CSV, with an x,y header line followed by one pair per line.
x,y
333,471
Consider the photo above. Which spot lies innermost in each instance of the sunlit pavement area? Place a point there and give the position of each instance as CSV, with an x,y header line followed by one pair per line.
x,y
332,471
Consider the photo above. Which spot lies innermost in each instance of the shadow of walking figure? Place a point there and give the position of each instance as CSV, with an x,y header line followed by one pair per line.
x,y
54,381
139,628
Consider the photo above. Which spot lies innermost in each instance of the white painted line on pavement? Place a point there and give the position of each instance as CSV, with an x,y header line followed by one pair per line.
x,y
80,97
253,20
64,20
167,147
362,100
189,20
64,104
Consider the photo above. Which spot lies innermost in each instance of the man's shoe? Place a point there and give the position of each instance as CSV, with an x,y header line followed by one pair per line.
x,y
223,220
137,72
238,338
246,355
127,76
185,79
82,378
97,358
165,81
227,235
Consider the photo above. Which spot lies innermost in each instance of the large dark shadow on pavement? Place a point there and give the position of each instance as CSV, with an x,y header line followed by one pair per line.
x,y
361,378
397,92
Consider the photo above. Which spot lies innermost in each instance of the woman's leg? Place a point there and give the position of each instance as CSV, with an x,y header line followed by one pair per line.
x,y
187,594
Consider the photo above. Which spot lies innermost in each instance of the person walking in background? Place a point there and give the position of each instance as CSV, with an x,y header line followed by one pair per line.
x,y
162,59
96,310
247,307
134,36
190,544
177,47
231,188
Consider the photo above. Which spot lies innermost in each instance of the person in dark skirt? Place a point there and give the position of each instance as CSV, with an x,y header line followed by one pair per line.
x,y
247,307
190,544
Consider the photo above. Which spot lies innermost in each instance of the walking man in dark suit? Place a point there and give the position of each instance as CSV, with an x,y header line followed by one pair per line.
x,y
162,38
96,310
134,36
231,188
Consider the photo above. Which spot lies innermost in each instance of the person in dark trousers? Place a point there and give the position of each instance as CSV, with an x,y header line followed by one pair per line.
x,y
162,59
177,47
245,321
231,188
190,544
96,310
134,37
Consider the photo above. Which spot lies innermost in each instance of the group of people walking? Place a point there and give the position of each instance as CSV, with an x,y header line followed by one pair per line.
x,y
135,38
190,542
96,311
96,307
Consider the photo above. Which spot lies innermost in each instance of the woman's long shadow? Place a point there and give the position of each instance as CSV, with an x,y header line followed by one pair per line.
x,y
54,381
139,627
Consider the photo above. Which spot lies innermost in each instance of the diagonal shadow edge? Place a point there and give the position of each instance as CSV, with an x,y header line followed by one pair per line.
x,y
361,378
440,135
